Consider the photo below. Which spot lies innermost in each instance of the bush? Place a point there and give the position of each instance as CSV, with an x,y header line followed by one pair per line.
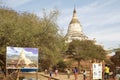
x,y
61,66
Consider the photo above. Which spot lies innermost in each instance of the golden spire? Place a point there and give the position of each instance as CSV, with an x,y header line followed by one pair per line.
x,y
74,17
74,9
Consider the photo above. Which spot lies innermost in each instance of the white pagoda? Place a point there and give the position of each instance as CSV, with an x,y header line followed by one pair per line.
x,y
75,30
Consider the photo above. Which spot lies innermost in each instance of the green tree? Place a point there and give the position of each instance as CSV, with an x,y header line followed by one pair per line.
x,y
116,58
28,30
85,50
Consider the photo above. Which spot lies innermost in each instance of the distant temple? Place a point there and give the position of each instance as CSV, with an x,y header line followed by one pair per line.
x,y
23,59
75,30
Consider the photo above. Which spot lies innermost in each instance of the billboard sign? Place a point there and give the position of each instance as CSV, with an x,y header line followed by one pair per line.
x,y
21,58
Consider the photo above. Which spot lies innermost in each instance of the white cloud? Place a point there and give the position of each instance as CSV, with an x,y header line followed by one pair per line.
x,y
17,51
106,36
30,53
99,14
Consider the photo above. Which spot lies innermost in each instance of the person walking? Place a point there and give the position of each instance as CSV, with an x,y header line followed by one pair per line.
x,y
56,72
68,73
84,75
75,71
50,73
46,71
107,71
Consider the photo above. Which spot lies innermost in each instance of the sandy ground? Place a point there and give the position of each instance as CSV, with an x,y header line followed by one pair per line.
x,y
60,76
42,76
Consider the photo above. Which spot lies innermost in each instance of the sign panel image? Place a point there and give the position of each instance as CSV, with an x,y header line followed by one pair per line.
x,y
21,58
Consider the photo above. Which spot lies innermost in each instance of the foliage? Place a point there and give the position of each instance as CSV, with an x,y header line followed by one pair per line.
x,y
85,50
2,63
28,30
116,58
62,65
116,49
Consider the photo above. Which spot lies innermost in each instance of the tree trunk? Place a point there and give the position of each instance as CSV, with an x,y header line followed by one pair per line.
x,y
79,66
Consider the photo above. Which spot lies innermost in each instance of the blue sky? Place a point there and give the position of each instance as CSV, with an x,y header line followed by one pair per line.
x,y
100,19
